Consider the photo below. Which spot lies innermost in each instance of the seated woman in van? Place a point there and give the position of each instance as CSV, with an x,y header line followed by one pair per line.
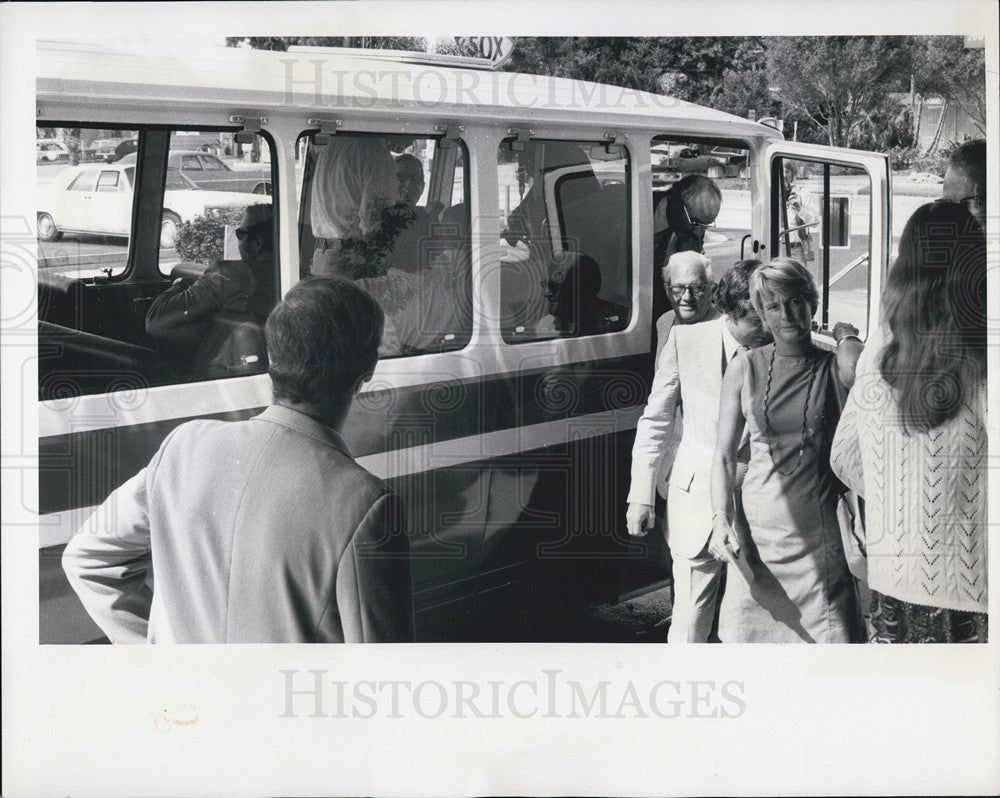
x,y
414,247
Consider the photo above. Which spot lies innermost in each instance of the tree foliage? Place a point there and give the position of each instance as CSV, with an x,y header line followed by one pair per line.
x,y
202,239
943,67
841,90
840,84
689,68
282,43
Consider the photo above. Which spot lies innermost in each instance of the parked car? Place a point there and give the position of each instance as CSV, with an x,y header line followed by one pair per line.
x,y
673,161
103,150
125,148
97,200
211,172
50,150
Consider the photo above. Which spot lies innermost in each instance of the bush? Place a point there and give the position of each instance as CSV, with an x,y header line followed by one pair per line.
x,y
203,238
935,163
909,159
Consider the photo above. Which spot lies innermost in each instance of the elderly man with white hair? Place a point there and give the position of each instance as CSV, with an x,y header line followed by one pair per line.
x,y
677,463
688,280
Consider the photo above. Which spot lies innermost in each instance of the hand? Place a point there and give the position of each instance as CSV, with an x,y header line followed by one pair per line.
x,y
639,519
723,544
842,329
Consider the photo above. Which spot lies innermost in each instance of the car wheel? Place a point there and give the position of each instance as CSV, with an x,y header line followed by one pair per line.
x,y
262,188
169,229
47,230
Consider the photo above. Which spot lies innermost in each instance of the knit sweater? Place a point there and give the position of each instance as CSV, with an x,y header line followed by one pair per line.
x,y
925,495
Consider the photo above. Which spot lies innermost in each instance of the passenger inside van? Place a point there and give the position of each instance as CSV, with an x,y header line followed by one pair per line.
x,y
424,311
575,308
353,186
680,219
217,321
430,309
412,249
527,222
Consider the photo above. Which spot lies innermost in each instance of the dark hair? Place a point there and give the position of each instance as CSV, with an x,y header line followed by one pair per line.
x,y
970,157
732,296
935,305
322,338
408,161
260,222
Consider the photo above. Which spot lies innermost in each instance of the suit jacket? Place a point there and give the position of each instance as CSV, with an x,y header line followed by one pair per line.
x,y
689,370
259,531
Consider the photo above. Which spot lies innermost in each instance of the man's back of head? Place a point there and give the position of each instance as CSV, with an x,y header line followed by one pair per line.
x,y
322,342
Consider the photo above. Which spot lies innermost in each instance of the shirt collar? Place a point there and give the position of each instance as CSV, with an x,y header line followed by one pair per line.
x,y
729,343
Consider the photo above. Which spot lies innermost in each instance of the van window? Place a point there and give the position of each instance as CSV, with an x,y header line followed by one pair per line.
x,y
825,219
187,305
566,265
80,234
727,166
392,213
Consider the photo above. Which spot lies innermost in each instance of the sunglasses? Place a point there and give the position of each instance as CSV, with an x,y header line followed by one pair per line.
x,y
692,222
244,233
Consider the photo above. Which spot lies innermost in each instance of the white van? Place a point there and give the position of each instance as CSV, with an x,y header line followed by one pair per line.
x,y
508,439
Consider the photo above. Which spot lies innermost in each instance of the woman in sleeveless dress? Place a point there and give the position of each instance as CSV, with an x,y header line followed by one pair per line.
x,y
788,580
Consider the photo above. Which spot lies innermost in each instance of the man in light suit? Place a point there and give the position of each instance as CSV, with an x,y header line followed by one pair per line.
x,y
689,371
688,281
264,530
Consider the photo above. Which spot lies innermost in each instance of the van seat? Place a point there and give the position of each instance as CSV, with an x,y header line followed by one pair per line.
x,y
72,362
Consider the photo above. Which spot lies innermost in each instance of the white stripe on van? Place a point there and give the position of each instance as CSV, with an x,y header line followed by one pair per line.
x,y
54,529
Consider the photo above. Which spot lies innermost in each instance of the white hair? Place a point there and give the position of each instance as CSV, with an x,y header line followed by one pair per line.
x,y
689,258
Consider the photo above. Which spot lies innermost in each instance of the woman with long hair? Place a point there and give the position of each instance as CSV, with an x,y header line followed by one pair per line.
x,y
912,438
788,581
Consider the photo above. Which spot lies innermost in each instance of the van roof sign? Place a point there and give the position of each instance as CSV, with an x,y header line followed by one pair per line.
x,y
495,50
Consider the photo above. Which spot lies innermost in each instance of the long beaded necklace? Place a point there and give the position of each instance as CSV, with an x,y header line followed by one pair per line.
x,y
805,413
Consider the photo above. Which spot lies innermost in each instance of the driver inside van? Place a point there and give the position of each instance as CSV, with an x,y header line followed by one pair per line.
x,y
220,315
